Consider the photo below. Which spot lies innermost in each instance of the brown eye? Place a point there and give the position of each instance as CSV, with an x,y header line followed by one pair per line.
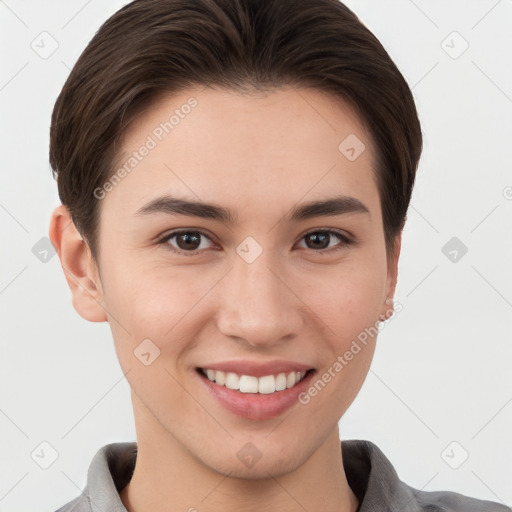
x,y
189,243
320,240
192,242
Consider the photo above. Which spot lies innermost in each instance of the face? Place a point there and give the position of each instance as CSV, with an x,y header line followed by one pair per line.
x,y
272,288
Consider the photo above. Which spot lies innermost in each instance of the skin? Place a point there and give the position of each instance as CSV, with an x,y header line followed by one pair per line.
x,y
260,155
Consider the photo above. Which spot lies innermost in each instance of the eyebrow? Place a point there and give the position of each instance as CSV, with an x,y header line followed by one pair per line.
x,y
339,205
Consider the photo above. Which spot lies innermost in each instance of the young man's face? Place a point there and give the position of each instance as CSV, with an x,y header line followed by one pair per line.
x,y
264,288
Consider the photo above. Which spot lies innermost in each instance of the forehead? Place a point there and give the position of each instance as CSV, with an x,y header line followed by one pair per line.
x,y
213,143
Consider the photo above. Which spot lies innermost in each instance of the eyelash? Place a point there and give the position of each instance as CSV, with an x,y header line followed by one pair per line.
x,y
196,252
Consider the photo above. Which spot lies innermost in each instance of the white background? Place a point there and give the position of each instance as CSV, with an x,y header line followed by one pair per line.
x,y
441,372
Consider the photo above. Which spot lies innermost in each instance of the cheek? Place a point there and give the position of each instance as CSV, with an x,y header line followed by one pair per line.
x,y
152,332
170,306
347,300
347,309
151,303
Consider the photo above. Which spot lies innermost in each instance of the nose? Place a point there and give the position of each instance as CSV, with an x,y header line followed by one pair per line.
x,y
258,303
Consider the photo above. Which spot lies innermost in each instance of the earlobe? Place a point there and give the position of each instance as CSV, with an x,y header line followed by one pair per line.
x,y
388,307
78,266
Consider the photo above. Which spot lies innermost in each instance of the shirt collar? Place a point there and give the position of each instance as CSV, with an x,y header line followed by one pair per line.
x,y
374,480
369,474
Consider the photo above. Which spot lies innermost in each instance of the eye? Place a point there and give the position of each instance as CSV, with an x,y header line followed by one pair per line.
x,y
321,239
188,242
193,242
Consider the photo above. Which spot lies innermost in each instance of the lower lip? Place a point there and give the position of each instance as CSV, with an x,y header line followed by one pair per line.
x,y
257,406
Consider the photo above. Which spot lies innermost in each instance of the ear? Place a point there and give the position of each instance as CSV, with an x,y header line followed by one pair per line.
x,y
78,265
391,280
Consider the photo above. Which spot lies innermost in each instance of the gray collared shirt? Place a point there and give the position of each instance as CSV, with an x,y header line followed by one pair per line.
x,y
370,475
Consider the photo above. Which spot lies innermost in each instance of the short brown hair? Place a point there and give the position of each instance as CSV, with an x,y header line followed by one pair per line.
x,y
152,47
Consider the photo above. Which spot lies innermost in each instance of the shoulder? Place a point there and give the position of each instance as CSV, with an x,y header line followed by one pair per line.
x,y
375,482
447,501
79,504
109,472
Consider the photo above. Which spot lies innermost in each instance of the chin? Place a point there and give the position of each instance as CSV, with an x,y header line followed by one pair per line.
x,y
261,470
256,460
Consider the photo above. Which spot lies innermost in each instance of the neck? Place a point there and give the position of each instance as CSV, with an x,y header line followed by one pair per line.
x,y
168,478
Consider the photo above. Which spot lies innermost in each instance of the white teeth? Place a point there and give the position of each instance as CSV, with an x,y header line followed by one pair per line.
x,y
267,384
281,382
220,378
232,381
250,384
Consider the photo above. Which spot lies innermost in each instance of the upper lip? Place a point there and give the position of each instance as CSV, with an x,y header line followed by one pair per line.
x,y
257,369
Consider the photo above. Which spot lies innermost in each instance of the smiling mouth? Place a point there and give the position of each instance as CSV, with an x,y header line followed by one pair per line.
x,y
264,385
